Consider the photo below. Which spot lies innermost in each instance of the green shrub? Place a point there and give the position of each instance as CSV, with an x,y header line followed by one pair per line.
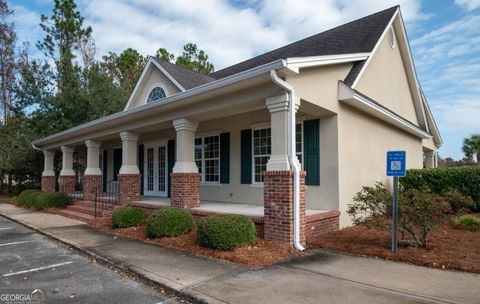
x,y
20,187
372,206
459,203
466,222
28,197
419,211
128,217
169,222
51,200
225,232
466,180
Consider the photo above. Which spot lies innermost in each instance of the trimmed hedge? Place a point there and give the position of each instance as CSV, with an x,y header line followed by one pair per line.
x,y
51,200
466,180
128,217
225,232
27,197
169,222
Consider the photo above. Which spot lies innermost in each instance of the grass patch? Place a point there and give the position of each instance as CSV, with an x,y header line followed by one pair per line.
x,y
466,222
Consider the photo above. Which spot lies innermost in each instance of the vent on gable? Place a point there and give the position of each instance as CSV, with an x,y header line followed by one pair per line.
x,y
391,37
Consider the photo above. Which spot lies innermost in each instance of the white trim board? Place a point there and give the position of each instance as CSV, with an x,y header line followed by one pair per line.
x,y
144,73
355,99
295,63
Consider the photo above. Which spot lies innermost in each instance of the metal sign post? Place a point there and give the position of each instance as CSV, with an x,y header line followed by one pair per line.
x,y
396,166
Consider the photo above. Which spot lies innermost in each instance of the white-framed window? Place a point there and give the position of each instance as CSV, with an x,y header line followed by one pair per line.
x,y
262,149
207,158
156,94
299,142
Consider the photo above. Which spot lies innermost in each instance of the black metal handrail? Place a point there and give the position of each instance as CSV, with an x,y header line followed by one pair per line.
x,y
73,188
105,200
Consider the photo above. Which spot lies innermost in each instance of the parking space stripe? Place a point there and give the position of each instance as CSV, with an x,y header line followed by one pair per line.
x,y
14,243
36,269
5,228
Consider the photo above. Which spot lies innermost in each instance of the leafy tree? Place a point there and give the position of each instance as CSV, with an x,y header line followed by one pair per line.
x,y
7,61
163,54
471,147
194,59
125,68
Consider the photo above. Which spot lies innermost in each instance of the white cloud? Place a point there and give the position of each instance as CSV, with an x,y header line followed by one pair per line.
x,y
228,33
470,5
26,24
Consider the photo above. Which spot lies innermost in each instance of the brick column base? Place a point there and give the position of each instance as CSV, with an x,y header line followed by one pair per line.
x,y
48,183
129,187
91,184
66,183
185,190
278,206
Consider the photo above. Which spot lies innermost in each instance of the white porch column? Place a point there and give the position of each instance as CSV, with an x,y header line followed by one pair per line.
x,y
48,163
93,151
67,161
185,146
129,153
429,159
278,106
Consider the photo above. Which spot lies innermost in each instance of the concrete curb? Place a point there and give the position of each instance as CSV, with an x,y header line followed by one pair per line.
x,y
126,269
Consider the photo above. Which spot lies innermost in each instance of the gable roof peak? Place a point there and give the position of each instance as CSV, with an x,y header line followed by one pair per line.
x,y
357,36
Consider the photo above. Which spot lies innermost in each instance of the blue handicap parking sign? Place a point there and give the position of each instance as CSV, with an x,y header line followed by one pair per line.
x,y
396,163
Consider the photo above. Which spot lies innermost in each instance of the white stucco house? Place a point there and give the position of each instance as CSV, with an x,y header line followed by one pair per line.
x,y
237,140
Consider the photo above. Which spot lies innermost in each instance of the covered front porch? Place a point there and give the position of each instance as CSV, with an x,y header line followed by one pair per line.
x,y
225,155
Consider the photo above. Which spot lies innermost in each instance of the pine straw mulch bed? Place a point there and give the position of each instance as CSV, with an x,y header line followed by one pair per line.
x,y
448,248
262,254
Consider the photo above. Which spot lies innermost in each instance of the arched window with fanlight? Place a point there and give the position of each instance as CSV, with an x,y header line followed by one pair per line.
x,y
156,94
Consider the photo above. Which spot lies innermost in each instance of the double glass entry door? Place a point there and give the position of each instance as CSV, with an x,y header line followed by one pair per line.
x,y
155,171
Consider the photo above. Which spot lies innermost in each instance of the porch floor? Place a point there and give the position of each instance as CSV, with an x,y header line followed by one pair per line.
x,y
219,207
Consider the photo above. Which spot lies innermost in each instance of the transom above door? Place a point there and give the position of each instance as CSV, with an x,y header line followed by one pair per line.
x,y
155,169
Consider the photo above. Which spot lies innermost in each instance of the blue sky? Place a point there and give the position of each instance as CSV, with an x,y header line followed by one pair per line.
x,y
444,37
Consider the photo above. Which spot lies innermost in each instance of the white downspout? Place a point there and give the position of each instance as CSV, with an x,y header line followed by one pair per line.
x,y
292,158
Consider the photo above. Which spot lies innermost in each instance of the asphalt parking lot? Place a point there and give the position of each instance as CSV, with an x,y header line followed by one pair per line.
x,y
30,261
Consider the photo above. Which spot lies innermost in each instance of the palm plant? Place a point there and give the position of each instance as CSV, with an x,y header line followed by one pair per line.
x,y
471,146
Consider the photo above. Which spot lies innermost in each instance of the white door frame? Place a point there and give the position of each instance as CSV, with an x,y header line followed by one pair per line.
x,y
156,144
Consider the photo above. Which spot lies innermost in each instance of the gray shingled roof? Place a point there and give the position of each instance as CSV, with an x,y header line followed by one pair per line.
x,y
359,36
187,78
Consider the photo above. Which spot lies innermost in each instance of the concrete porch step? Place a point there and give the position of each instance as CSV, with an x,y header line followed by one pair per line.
x,y
76,215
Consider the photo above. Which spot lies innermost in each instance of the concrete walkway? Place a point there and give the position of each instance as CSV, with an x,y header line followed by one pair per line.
x,y
320,277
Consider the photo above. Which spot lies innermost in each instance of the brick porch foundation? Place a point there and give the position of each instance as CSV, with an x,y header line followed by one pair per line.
x,y
185,190
321,223
48,183
278,206
129,187
91,184
66,183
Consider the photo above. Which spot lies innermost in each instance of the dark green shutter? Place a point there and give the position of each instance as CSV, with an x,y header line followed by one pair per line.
x,y
141,166
225,158
117,162
311,153
171,162
104,170
246,158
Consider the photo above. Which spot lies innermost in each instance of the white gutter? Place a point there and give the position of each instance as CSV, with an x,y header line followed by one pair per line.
x,y
36,148
177,100
292,158
357,100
